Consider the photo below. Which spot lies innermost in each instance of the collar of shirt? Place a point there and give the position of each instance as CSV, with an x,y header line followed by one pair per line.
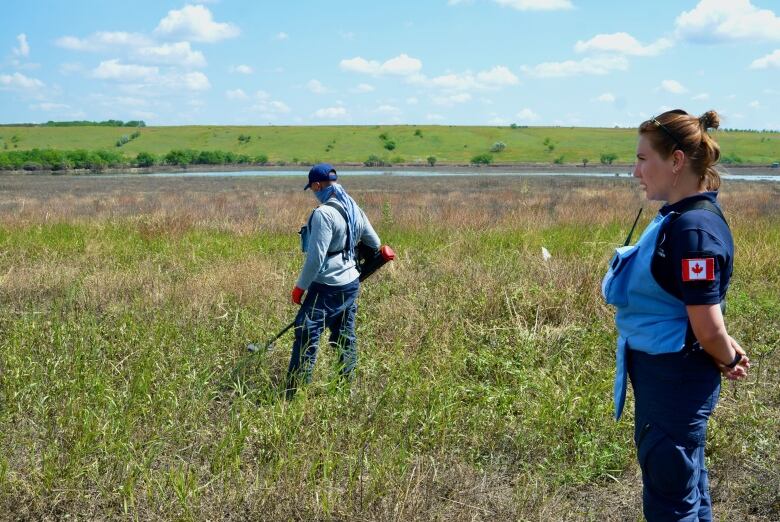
x,y
674,207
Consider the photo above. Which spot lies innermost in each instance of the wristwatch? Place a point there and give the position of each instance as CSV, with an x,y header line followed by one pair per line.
x,y
735,362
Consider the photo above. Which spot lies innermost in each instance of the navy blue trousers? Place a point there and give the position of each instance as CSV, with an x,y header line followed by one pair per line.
x,y
675,394
331,306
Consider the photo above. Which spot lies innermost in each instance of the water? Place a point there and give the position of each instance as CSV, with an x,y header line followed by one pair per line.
x,y
418,174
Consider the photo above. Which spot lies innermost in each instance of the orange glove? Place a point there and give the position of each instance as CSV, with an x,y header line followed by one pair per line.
x,y
297,295
387,253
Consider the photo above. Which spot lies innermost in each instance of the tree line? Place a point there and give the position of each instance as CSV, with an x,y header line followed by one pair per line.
x,y
97,160
80,123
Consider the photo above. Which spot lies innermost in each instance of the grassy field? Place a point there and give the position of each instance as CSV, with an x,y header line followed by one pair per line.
x,y
484,386
354,144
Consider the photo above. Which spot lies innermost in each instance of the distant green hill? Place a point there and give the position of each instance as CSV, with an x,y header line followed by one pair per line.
x,y
391,144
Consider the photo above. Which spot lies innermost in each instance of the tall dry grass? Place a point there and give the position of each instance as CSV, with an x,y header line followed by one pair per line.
x,y
485,374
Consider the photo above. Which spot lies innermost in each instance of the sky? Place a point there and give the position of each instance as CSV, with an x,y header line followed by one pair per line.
x,y
444,62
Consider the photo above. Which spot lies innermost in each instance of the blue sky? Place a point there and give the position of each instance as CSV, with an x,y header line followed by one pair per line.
x,y
460,62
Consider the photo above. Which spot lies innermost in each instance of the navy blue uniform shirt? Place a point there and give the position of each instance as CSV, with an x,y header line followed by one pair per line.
x,y
695,235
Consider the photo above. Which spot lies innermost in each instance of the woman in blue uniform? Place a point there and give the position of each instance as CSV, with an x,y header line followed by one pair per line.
x,y
669,290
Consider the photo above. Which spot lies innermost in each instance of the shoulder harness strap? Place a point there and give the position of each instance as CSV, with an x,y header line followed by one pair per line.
x,y
333,204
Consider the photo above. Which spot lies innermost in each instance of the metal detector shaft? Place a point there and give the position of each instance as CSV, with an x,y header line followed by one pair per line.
x,y
631,232
254,348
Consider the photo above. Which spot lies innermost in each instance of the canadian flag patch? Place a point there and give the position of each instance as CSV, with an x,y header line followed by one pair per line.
x,y
701,269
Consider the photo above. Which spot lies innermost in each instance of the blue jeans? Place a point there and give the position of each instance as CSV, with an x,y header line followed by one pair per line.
x,y
331,306
675,395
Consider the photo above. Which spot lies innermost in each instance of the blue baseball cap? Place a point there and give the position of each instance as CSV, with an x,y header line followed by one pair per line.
x,y
321,172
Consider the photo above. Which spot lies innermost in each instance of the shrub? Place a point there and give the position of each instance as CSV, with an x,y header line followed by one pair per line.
x,y
32,165
374,161
145,159
431,161
558,160
418,133
262,159
585,162
498,146
180,157
389,145
608,158
482,159
122,140
95,162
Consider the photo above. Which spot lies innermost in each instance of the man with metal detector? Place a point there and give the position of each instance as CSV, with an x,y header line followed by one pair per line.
x,y
341,249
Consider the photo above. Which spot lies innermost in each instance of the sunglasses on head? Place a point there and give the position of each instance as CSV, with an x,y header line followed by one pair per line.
x,y
666,130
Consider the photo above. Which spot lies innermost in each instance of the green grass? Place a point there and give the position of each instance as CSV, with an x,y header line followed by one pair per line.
x,y
485,374
354,144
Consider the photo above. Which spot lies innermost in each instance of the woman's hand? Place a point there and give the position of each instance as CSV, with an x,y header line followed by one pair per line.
x,y
740,370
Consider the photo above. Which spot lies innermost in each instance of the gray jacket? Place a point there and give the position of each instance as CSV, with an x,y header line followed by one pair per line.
x,y
328,233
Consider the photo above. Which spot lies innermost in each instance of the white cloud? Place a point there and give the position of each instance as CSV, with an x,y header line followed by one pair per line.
x,y
103,40
24,48
388,109
497,77
724,20
363,88
360,65
498,121
18,81
179,53
536,5
278,106
281,36
701,96
765,62
434,117
70,68
607,97
451,99
596,66
755,104
622,43
236,94
527,114
72,43
195,22
316,87
241,69
331,113
149,77
113,70
673,86
49,106
412,100
269,109
194,81
402,65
